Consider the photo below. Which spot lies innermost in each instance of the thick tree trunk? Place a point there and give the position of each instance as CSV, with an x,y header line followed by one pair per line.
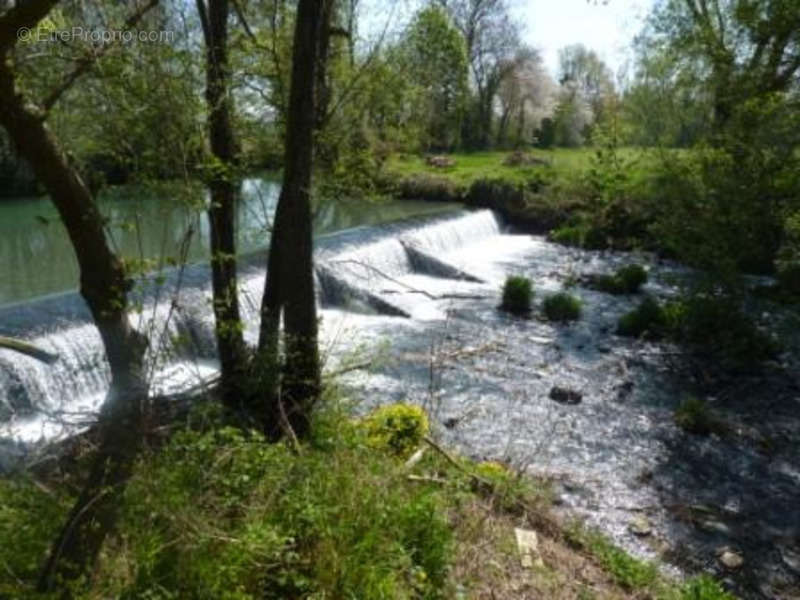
x,y
222,212
289,289
104,286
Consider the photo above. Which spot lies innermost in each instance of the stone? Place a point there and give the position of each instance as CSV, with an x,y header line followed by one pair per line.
x,y
640,526
729,559
565,395
791,559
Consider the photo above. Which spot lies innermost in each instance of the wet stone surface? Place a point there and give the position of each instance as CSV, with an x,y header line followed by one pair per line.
x,y
616,456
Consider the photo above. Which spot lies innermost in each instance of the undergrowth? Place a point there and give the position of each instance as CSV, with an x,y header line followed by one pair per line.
x,y
216,512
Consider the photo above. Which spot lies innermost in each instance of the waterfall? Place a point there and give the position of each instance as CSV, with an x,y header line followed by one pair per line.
x,y
363,269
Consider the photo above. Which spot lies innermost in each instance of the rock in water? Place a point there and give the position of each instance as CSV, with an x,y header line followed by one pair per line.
x,y
565,395
641,526
730,559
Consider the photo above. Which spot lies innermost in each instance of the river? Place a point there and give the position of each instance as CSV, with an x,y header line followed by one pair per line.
x,y
36,257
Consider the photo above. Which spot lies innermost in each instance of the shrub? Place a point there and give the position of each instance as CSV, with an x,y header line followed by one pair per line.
x,y
693,415
517,295
626,280
580,235
715,326
649,317
398,428
562,307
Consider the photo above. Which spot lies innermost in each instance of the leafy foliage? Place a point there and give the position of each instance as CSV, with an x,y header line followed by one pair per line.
x,y
517,294
562,307
626,280
398,428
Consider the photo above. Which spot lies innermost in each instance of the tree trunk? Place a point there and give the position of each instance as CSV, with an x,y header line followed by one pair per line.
x,y
104,286
222,212
289,289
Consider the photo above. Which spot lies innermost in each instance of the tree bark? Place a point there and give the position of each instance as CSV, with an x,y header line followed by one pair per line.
x,y
222,211
104,286
289,289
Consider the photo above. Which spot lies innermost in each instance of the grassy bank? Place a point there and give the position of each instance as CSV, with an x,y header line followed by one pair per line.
x,y
547,190
363,510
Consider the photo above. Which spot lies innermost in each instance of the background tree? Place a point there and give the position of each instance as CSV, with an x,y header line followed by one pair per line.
x,y
526,96
434,54
588,76
491,38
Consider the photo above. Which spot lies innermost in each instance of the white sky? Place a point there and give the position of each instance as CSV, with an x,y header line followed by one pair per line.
x,y
547,24
608,29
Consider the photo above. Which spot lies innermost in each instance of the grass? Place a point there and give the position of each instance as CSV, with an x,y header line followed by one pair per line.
x,y
694,415
562,307
638,577
219,513
648,318
626,280
517,295
470,167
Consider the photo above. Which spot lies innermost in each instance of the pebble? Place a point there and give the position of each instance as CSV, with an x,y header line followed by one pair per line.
x,y
730,559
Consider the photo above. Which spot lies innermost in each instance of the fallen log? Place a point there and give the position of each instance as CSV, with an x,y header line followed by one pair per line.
x,y
27,349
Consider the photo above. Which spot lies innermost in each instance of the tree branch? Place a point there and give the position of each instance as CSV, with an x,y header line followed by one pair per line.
x,y
24,15
85,63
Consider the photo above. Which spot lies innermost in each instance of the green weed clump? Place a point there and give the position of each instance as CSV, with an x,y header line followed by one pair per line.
x,y
704,587
626,280
579,235
562,307
398,428
715,326
693,415
647,318
517,295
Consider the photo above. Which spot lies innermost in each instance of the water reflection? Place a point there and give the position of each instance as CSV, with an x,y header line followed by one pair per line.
x,y
163,223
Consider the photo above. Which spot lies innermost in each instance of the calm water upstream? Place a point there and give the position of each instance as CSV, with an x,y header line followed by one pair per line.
x,y
36,257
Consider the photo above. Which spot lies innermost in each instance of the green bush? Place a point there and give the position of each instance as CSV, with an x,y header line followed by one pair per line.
x,y
517,295
398,428
562,307
715,326
626,280
693,415
647,318
580,235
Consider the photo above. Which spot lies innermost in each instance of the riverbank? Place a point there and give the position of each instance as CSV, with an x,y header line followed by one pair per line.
x,y
392,516
537,191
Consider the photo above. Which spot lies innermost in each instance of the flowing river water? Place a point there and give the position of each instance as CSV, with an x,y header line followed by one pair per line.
x,y
418,299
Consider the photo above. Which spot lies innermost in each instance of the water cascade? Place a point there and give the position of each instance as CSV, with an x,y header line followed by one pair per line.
x,y
365,269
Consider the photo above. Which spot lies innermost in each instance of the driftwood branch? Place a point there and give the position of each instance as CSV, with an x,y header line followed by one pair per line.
x,y
28,349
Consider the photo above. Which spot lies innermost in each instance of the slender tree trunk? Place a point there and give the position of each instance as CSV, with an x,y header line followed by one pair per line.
x,y
104,286
289,289
222,212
